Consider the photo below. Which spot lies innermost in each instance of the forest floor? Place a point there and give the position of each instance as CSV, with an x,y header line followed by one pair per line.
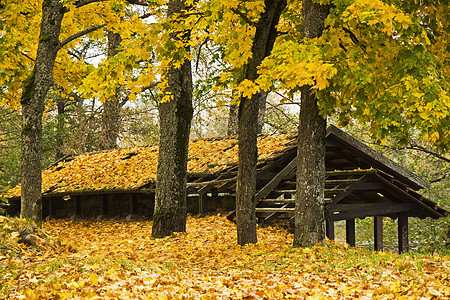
x,y
120,260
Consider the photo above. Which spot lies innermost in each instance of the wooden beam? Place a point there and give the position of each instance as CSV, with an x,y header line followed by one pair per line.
x,y
133,204
276,180
50,207
277,200
350,232
376,159
403,243
329,228
405,196
275,209
212,182
202,203
384,209
378,233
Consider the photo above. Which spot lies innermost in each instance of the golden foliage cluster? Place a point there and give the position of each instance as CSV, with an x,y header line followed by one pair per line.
x,y
119,260
126,169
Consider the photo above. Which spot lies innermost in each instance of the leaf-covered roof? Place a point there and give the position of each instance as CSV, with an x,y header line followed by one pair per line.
x,y
128,169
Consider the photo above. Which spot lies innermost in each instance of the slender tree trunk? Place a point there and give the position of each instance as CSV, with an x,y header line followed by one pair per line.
x,y
111,108
33,96
61,106
309,203
262,110
175,123
232,129
265,36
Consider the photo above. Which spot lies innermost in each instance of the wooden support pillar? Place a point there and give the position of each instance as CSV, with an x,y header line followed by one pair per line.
x,y
350,232
329,224
378,233
133,204
104,203
202,203
77,206
50,207
403,243
214,193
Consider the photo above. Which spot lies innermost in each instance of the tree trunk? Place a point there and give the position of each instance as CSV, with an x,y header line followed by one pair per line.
x,y
232,129
61,106
35,89
111,108
309,203
175,123
265,36
262,110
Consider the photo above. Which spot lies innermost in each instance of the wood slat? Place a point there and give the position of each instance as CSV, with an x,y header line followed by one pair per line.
x,y
275,209
276,180
340,181
277,200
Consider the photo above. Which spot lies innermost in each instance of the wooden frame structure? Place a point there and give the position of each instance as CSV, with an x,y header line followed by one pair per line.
x,y
359,183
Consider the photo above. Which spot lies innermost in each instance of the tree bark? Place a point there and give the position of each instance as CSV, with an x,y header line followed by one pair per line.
x,y
61,107
35,89
262,110
111,108
175,123
264,39
232,129
309,203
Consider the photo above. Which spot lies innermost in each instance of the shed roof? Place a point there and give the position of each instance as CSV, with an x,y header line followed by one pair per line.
x,y
131,169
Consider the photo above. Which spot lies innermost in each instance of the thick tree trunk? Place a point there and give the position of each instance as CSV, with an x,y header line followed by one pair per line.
x,y
111,108
309,203
175,123
33,96
265,36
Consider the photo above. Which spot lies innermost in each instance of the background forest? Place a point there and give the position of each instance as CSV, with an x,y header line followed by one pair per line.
x,y
104,95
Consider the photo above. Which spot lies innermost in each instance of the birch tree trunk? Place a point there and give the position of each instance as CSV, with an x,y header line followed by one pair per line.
x,y
175,123
265,36
309,203
33,96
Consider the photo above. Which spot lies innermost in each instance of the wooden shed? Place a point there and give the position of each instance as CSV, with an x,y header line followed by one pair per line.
x,y
360,183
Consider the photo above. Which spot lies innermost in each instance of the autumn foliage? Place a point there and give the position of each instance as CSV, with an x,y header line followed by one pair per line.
x,y
111,259
132,168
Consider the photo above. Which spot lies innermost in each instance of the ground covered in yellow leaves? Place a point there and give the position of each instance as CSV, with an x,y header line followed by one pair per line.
x,y
119,260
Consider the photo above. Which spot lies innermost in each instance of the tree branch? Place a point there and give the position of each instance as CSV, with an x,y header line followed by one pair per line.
x,y
243,16
80,34
138,2
444,176
81,3
27,56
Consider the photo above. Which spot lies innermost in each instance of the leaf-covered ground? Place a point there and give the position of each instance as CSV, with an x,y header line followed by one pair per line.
x,y
119,260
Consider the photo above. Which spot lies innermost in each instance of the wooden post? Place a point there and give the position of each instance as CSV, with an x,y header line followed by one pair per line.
x,y
378,233
329,224
214,193
77,206
403,244
202,203
104,205
350,232
133,204
50,207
